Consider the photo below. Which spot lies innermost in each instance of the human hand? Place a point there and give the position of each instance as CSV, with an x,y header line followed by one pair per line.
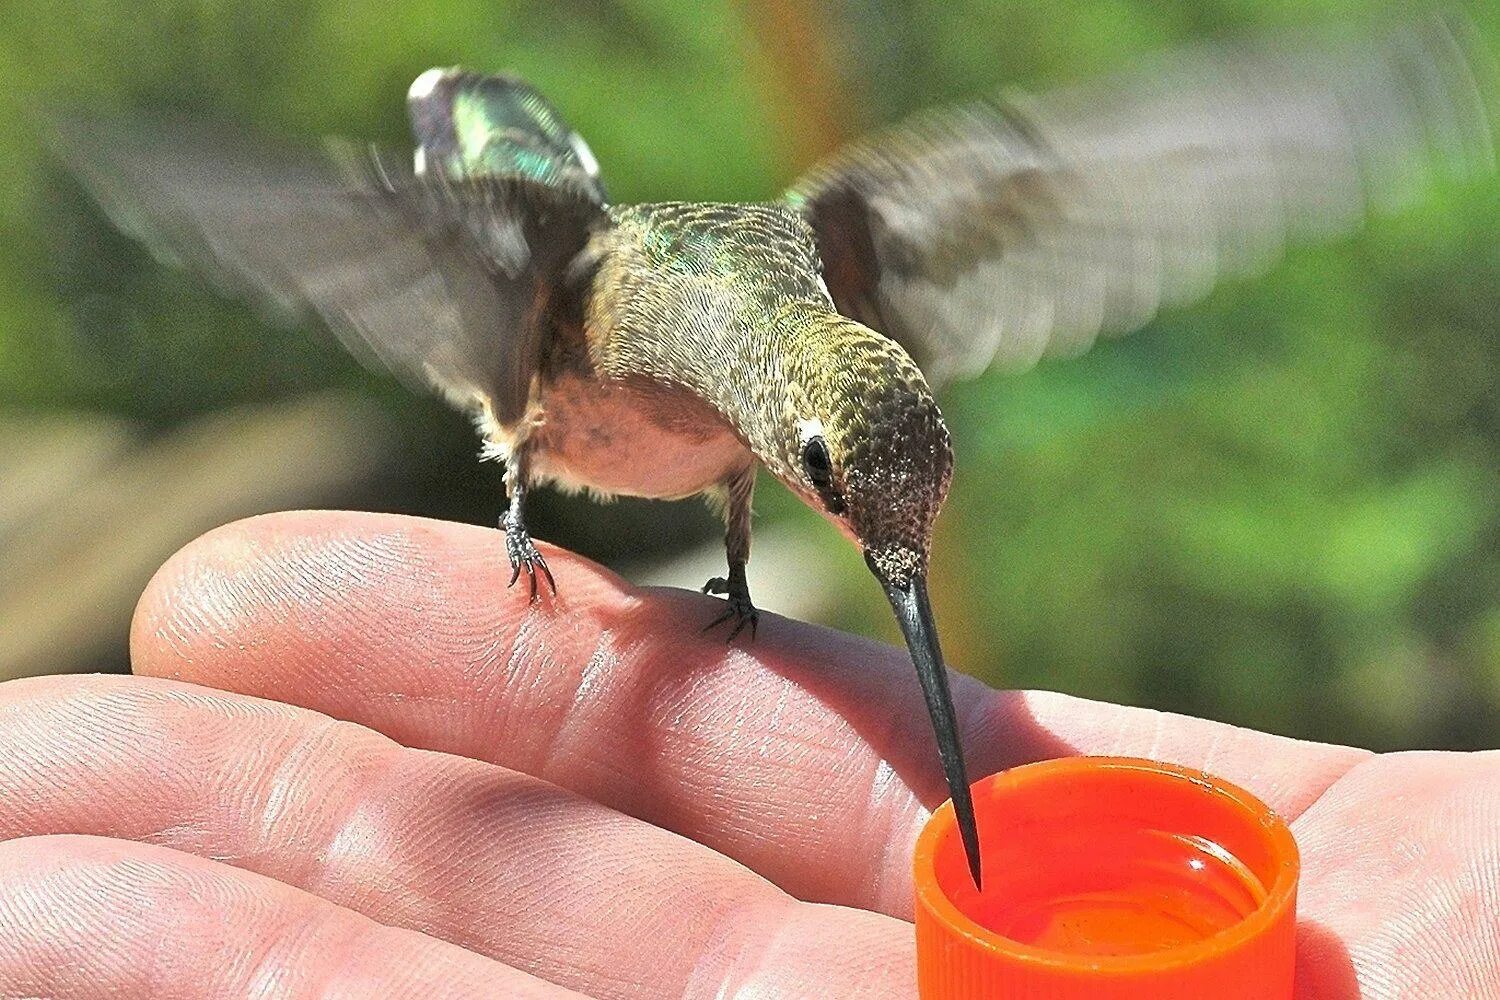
x,y
605,801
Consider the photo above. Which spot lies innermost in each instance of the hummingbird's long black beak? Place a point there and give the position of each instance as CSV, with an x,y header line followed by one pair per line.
x,y
915,615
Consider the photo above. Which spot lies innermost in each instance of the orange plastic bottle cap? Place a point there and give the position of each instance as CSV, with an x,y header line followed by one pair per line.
x,y
1109,878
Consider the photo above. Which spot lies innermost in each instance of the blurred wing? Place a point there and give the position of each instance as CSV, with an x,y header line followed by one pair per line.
x,y
1004,231
446,281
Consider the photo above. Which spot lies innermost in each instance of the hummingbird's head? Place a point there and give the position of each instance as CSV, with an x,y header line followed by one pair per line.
x,y
863,441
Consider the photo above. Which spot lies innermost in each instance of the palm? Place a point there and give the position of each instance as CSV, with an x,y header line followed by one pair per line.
x,y
239,845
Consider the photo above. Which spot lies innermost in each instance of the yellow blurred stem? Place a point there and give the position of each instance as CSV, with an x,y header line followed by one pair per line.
x,y
804,91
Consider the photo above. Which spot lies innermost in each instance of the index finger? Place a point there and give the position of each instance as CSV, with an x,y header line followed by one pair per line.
x,y
806,755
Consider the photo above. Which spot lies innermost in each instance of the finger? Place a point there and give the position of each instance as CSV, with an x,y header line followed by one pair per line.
x,y
87,917
1401,881
806,755
498,862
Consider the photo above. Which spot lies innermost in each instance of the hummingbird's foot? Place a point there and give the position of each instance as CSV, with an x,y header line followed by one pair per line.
x,y
737,600
524,556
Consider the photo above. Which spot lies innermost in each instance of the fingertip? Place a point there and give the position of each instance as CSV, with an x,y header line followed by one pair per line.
x,y
42,854
306,594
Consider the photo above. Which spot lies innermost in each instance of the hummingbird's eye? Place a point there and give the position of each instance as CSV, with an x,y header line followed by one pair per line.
x,y
817,463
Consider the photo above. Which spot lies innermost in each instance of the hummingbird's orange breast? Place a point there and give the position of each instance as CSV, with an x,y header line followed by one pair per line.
x,y
637,437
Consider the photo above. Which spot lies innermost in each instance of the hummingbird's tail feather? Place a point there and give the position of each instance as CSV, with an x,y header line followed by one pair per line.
x,y
471,124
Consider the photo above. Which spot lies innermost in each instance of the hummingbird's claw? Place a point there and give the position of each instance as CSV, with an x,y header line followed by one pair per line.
x,y
547,572
737,605
743,612
524,556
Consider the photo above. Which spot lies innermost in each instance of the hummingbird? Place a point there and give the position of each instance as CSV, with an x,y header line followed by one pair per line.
x,y
672,349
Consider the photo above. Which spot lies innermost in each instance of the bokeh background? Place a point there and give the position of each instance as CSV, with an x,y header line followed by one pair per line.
x,y
1280,508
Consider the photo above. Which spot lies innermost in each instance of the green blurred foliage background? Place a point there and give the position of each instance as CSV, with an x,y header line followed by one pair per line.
x,y
1278,508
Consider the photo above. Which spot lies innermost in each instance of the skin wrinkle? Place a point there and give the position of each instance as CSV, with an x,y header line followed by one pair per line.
x,y
270,799
422,589
422,584
732,772
532,669
274,970
278,586
310,755
340,828
614,675
305,930
425,846
525,652
192,899
65,932
270,802
575,715
883,973
599,745
148,923
506,812
747,732
1215,747
598,664
728,941
114,714
891,880
664,907
208,613
1357,858
1333,761
861,868
25,911
416,872
671,720
1338,771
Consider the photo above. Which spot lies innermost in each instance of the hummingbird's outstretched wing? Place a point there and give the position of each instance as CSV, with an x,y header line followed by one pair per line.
x,y
450,282
1003,231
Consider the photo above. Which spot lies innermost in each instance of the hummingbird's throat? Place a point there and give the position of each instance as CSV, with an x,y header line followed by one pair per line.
x,y
896,565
